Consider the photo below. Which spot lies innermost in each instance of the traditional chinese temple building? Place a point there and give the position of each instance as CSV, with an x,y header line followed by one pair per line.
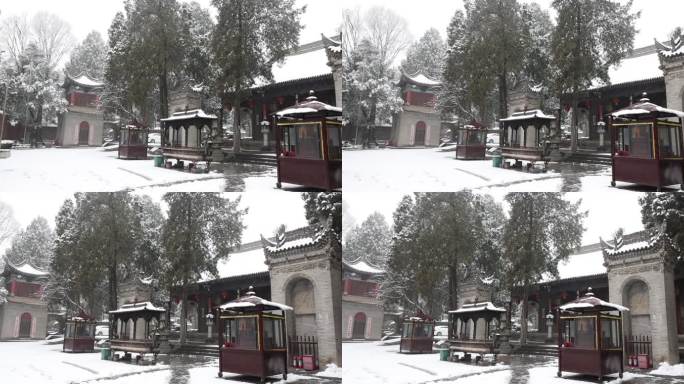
x,y
656,69
83,122
630,271
316,66
25,314
362,308
300,268
418,124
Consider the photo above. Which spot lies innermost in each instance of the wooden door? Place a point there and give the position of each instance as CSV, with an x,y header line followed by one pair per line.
x,y
25,325
420,134
83,133
359,330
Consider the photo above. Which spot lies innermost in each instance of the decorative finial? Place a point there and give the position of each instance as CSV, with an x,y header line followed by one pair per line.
x,y
644,98
312,96
251,291
589,292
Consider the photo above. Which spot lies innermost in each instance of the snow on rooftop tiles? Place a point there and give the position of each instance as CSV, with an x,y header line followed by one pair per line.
x,y
362,266
291,244
300,66
87,81
135,307
581,264
483,306
27,269
534,113
242,263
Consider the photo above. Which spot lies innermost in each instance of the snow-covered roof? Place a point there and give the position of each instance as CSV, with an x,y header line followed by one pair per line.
x,y
242,263
477,307
634,68
191,114
300,65
579,265
26,269
633,247
85,81
252,302
419,79
673,48
591,302
310,106
138,307
531,114
291,244
363,267
644,108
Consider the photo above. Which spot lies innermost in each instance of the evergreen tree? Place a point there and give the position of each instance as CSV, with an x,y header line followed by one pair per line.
x,y
371,96
100,242
324,212
426,55
369,242
33,245
251,36
8,224
88,58
663,215
374,40
439,240
201,229
542,230
590,37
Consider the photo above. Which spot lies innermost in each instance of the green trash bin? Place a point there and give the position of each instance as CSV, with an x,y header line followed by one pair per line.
x,y
496,161
158,161
444,354
105,353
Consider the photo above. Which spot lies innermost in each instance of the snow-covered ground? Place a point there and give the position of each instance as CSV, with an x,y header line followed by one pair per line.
x,y
94,170
35,362
371,362
430,170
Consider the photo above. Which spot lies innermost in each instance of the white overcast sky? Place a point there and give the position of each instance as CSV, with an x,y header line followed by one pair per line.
x,y
658,18
605,216
267,210
322,16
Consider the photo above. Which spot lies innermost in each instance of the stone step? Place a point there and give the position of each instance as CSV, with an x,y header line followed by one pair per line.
x,y
587,157
251,158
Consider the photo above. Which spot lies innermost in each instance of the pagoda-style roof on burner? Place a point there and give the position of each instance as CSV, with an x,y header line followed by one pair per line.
x,y
485,306
138,307
529,115
310,108
644,109
253,303
190,115
591,303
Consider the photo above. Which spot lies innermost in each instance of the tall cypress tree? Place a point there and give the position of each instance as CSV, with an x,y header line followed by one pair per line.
x,y
542,230
201,229
251,36
590,37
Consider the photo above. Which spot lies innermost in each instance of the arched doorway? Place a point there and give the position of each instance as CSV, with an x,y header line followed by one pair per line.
x,y
83,133
638,302
420,133
25,325
359,330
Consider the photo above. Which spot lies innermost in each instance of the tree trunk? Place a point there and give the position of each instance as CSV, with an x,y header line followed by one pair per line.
x,y
184,313
575,83
163,94
523,316
236,126
453,287
503,96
